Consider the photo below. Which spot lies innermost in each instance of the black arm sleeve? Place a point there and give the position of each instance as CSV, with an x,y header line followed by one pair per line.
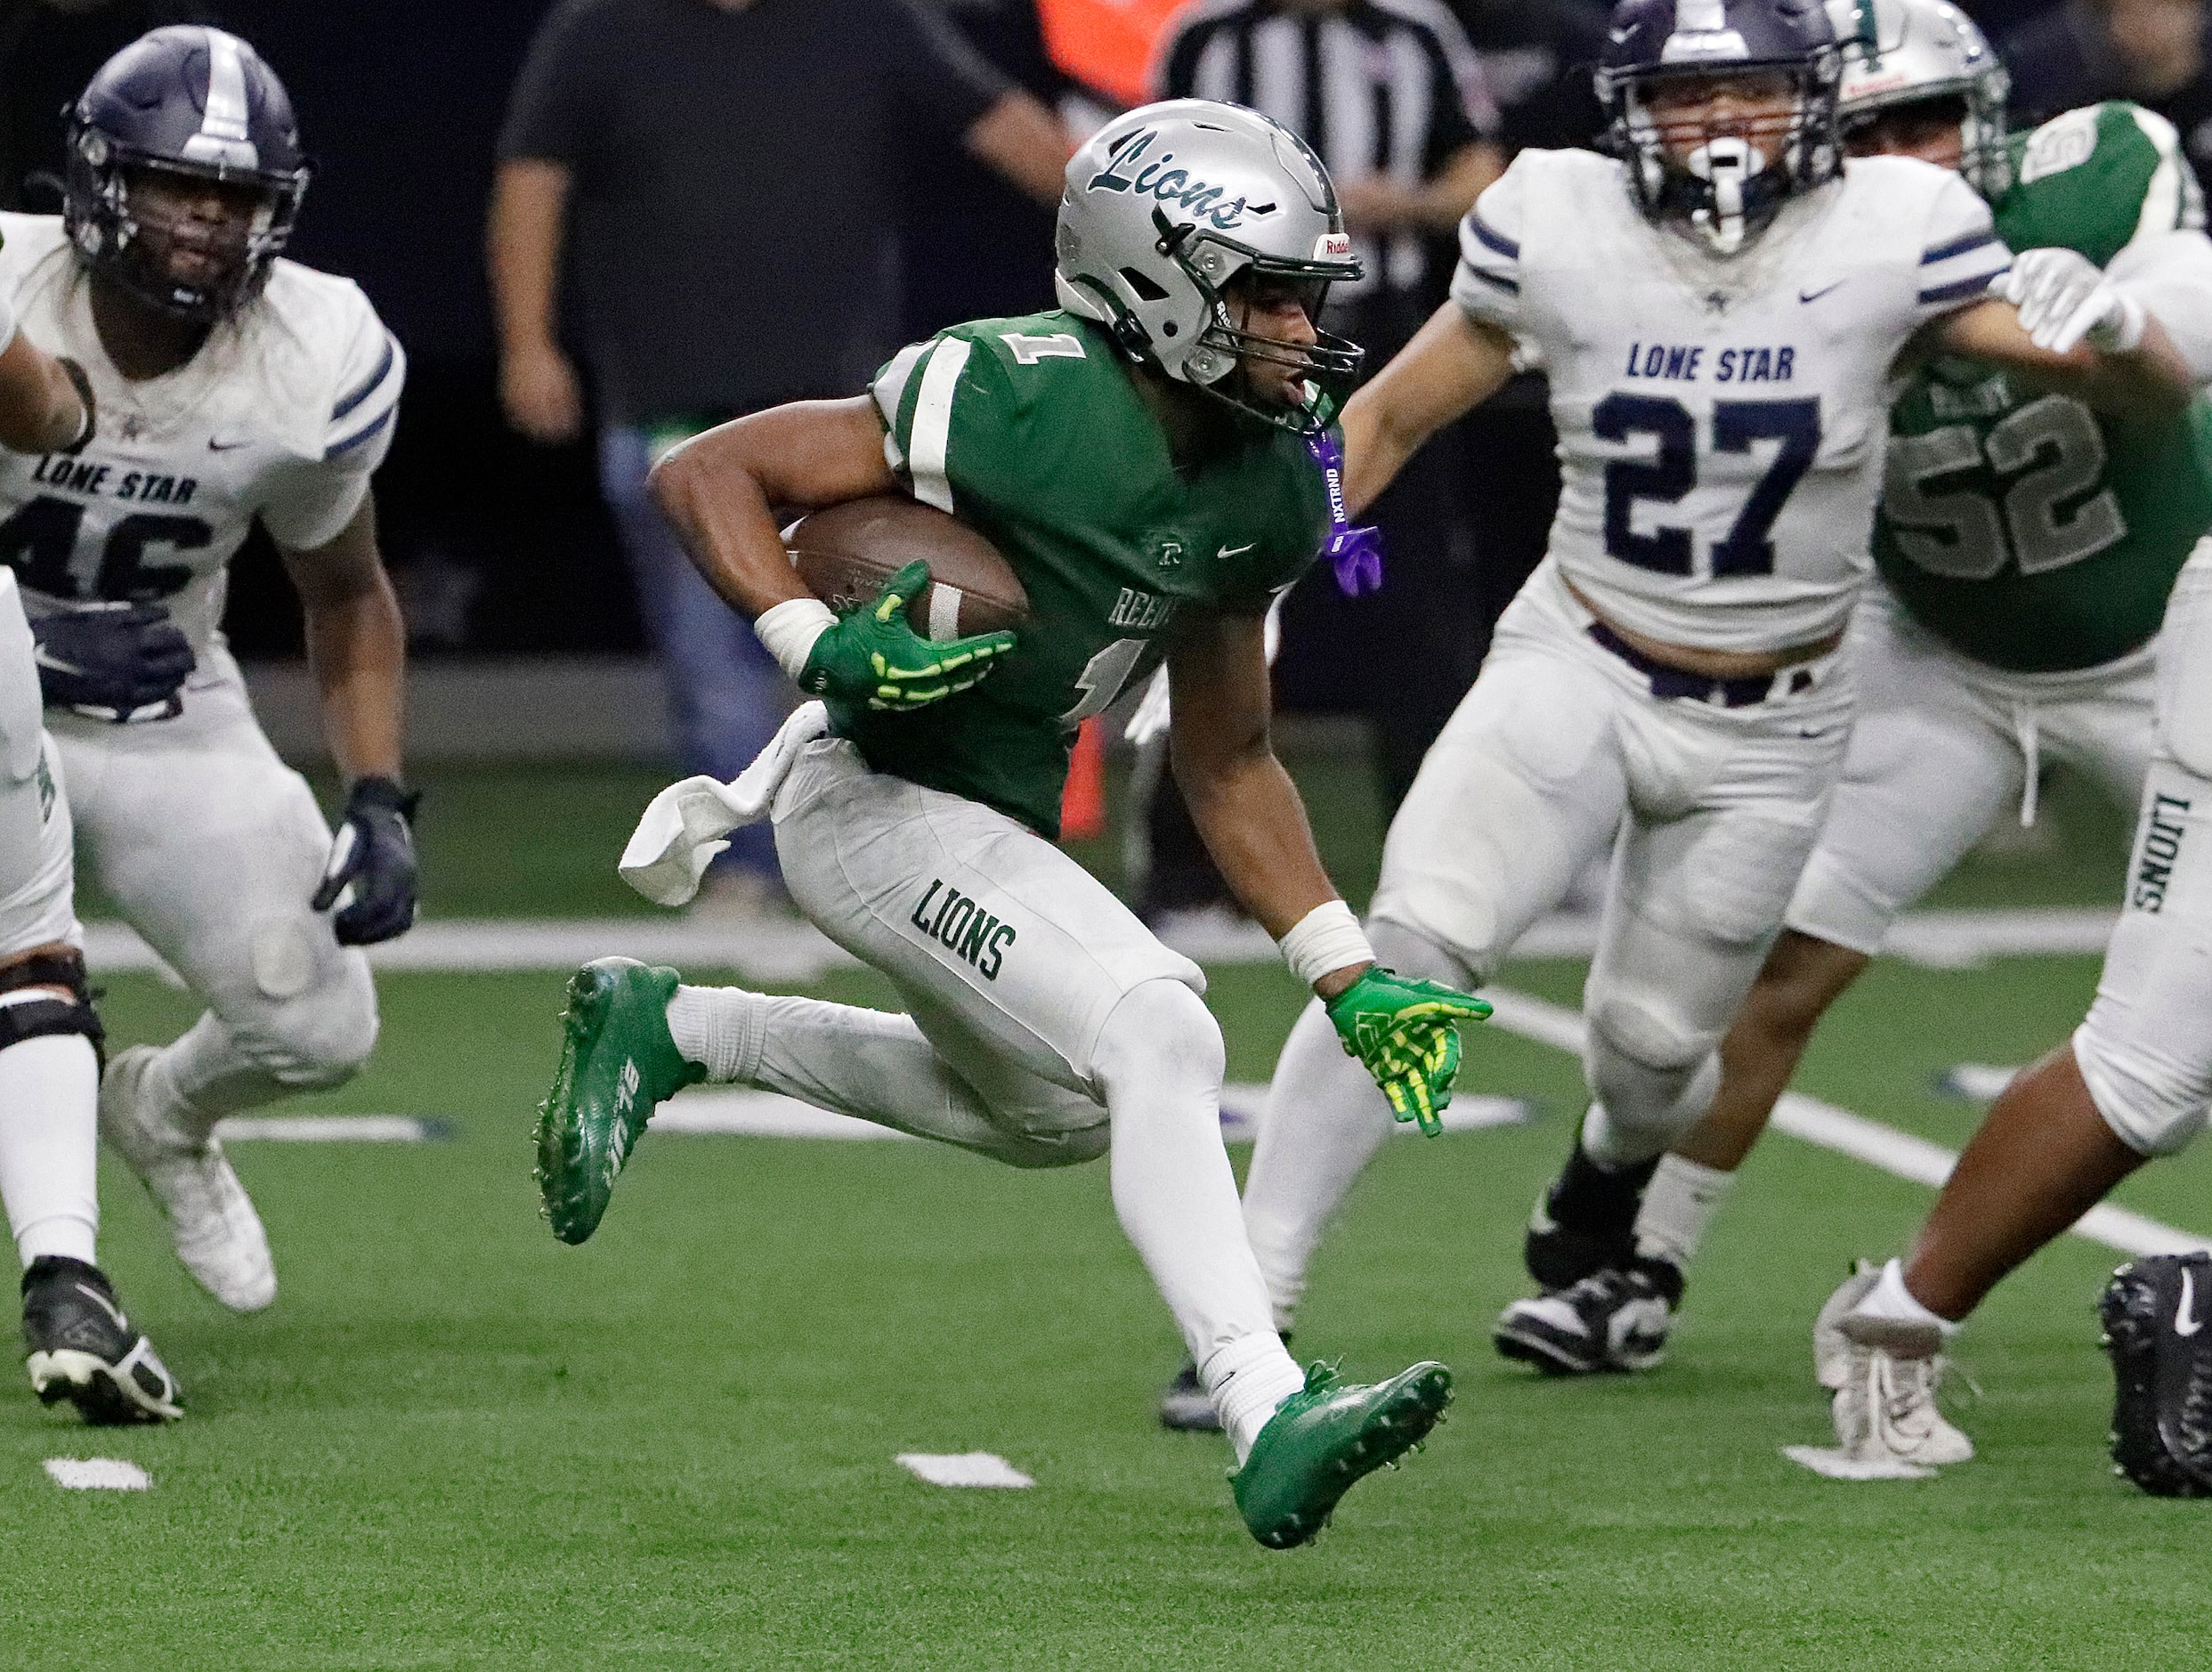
x,y
557,105
934,68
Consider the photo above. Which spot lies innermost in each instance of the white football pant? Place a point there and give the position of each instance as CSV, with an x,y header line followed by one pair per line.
x,y
1944,746
2146,1048
211,848
1559,753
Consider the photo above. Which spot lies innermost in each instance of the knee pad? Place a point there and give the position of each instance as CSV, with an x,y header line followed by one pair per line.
x,y
1161,1030
1651,1073
316,1040
2153,1104
26,1012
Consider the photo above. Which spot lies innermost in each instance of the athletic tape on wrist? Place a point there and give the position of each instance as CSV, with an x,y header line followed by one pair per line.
x,y
1327,938
2123,334
788,629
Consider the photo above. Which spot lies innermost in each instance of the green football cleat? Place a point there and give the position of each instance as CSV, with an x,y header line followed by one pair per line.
x,y
1325,1437
617,1064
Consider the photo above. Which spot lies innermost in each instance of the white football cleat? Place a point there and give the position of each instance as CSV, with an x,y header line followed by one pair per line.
x,y
1882,1376
217,1233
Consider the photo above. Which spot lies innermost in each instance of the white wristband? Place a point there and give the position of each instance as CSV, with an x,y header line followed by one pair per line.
x,y
1327,938
789,628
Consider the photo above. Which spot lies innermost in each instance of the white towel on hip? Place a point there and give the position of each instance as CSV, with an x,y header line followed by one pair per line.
x,y
688,824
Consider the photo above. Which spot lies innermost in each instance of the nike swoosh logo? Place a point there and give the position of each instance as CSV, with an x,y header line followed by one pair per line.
x,y
216,444
1235,551
1814,295
2185,1321
121,1322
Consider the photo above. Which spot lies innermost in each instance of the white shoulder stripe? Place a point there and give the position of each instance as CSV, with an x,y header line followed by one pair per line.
x,y
932,430
2162,198
890,391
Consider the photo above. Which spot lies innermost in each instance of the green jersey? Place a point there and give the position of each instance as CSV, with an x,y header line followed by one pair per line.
x,y
1033,432
2020,527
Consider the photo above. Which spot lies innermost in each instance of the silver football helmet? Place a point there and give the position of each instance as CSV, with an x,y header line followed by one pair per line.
x,y
1912,51
1169,203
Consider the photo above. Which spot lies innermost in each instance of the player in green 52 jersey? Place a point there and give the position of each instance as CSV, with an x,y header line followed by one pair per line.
x,y
1154,462
2026,550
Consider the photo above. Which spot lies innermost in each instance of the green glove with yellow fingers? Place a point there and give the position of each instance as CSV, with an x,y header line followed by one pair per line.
x,y
1406,1031
873,656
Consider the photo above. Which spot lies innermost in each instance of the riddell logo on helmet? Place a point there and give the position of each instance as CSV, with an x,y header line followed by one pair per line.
x,y
1156,179
1333,247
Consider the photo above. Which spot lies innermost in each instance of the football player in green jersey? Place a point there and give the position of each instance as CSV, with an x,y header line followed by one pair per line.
x,y
1154,462
2026,550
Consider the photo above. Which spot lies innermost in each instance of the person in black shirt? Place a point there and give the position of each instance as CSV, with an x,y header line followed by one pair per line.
x,y
728,170
2154,51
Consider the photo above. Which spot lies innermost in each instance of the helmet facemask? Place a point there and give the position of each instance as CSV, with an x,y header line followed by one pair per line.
x,y
1727,178
125,234
1216,265
1985,156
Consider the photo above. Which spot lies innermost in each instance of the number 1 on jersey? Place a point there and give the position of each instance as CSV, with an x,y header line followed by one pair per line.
x,y
1667,477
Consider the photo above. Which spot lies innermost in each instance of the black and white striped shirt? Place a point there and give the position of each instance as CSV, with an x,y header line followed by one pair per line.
x,y
1375,87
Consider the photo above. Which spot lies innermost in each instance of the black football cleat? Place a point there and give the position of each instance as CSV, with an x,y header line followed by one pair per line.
x,y
82,1349
1584,1222
1186,1406
1613,1319
2154,1312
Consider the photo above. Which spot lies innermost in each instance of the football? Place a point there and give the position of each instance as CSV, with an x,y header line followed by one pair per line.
x,y
845,553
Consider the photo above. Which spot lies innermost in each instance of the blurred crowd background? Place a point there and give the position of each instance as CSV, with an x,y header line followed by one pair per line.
x,y
603,226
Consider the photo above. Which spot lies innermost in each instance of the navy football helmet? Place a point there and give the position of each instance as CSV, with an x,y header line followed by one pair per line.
x,y
1728,178
194,101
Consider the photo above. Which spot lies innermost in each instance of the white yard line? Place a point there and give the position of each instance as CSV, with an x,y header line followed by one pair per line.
x,y
794,951
98,1474
1893,1152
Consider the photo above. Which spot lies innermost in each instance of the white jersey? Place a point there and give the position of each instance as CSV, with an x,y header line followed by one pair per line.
x,y
1721,422
282,414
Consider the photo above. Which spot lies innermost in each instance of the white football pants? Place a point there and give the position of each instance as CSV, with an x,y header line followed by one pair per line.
x,y
49,1136
1942,748
211,848
2146,1048
1043,1018
1559,753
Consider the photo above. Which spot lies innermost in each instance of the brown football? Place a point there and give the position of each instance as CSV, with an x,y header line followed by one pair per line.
x,y
846,552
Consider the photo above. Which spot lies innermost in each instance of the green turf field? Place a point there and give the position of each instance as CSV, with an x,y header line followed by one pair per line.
x,y
454,1443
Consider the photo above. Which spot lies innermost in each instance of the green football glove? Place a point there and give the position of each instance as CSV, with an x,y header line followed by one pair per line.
x,y
1407,1033
874,656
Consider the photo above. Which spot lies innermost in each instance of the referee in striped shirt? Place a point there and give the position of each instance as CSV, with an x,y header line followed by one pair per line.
x,y
1392,98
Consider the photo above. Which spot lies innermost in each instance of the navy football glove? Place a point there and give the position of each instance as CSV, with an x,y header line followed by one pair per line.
x,y
373,859
113,661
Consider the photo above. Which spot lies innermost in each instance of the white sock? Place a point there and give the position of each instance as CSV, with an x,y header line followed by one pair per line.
x,y
717,1029
1679,1206
1890,1298
872,1065
49,1146
203,1075
1159,1060
1247,1380
1325,1121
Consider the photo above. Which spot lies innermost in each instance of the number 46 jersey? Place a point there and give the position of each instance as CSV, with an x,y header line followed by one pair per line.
x,y
282,415
1721,422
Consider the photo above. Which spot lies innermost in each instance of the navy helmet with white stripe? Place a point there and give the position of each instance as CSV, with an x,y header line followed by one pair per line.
x,y
1725,180
191,100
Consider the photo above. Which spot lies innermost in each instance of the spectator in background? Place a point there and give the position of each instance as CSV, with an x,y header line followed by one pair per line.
x,y
730,169
2153,52
1392,97
48,51
971,245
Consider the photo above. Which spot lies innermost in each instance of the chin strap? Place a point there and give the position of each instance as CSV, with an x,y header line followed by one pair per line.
x,y
1728,164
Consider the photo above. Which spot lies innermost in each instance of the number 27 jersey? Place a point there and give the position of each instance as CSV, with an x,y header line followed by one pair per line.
x,y
1721,422
281,416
